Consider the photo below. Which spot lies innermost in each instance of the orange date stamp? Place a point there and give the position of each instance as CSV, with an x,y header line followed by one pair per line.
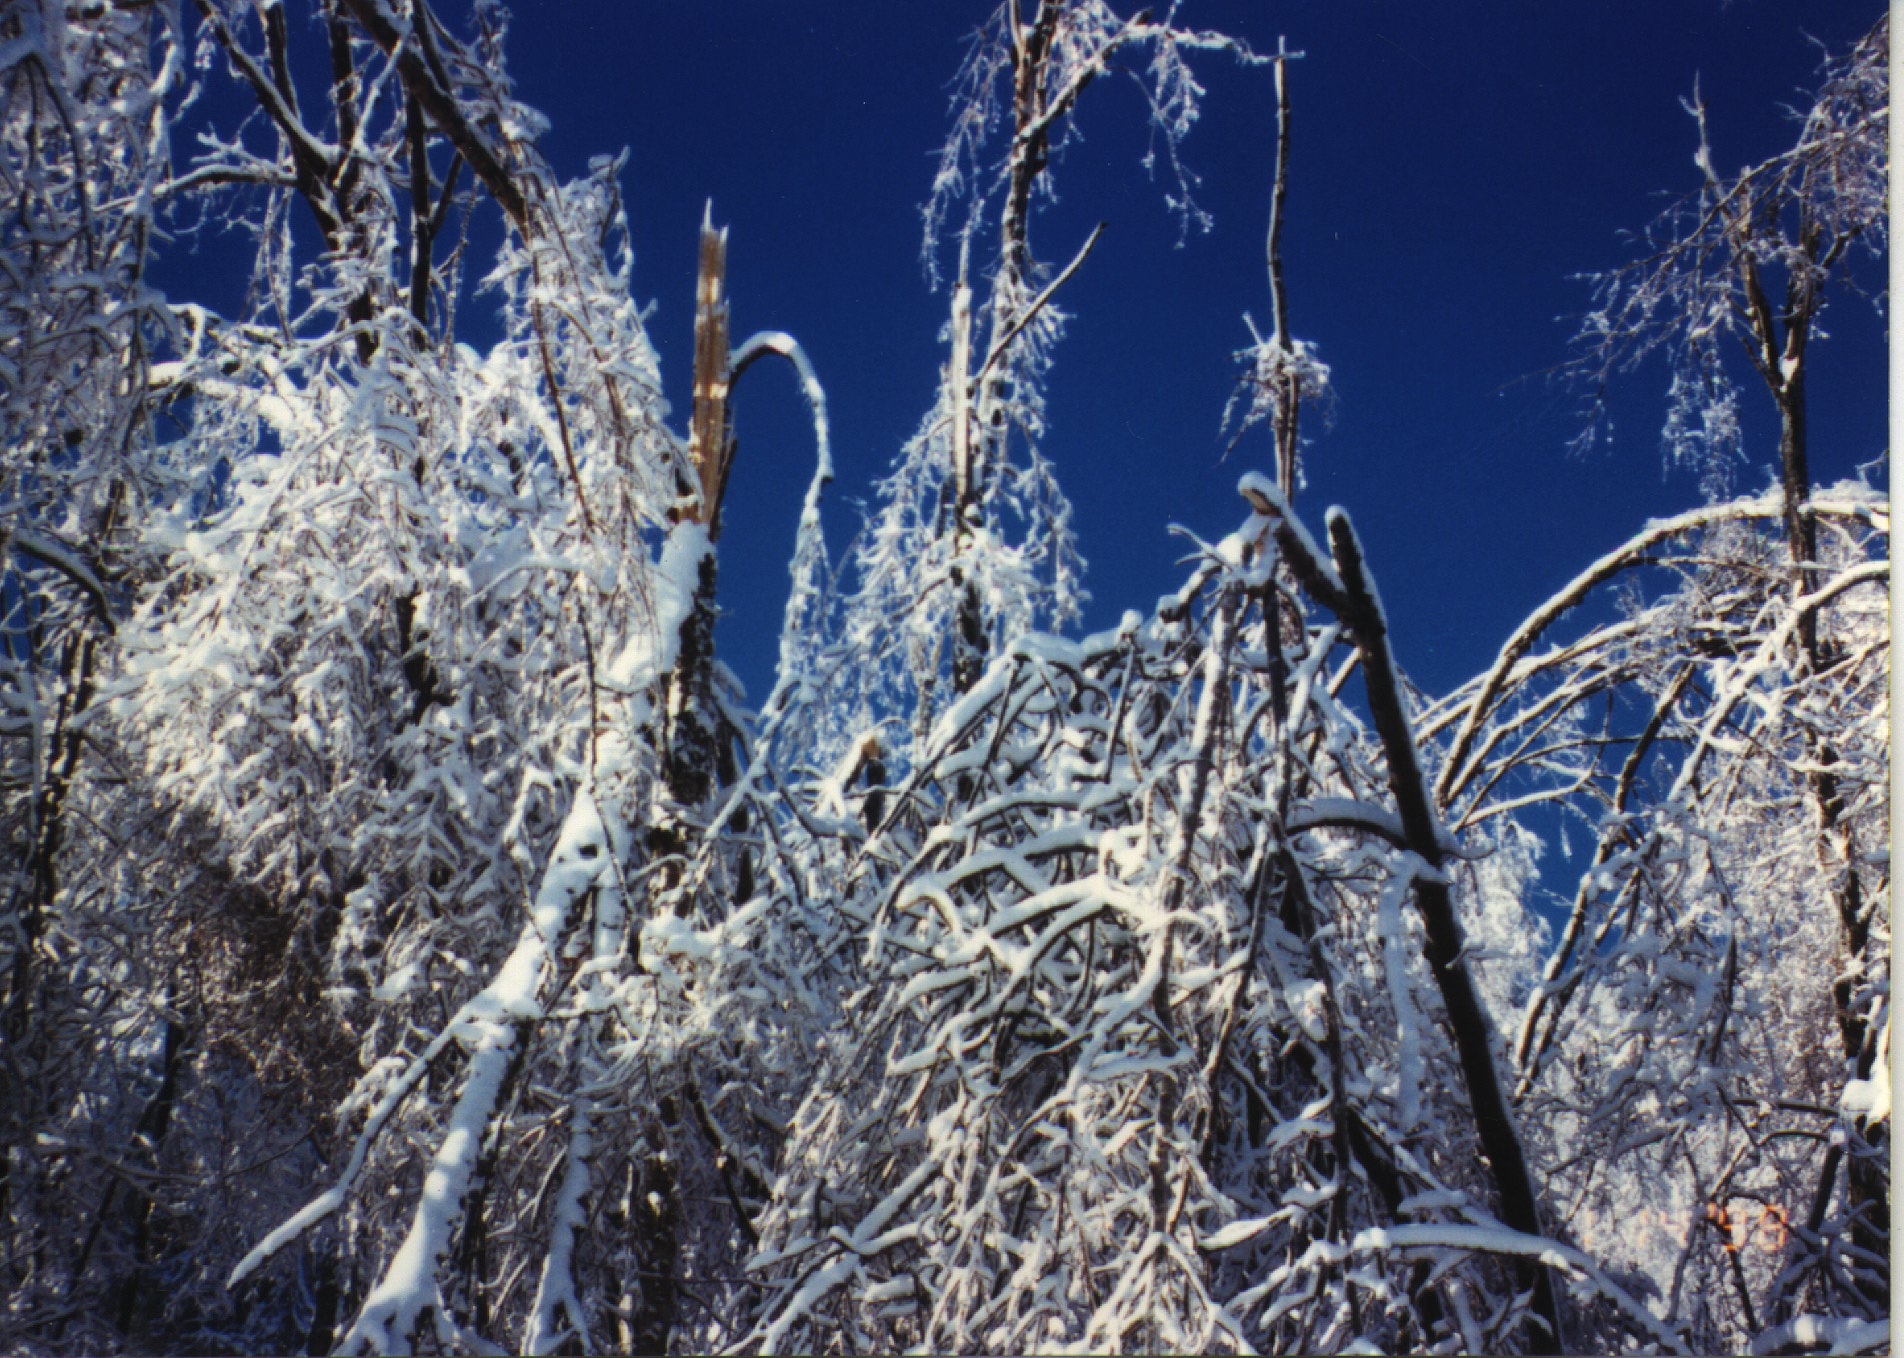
x,y
1769,1231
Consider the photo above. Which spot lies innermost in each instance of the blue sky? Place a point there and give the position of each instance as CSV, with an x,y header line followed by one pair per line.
x,y
1454,166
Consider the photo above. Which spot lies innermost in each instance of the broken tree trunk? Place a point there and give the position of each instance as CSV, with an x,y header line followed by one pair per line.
x,y
1348,593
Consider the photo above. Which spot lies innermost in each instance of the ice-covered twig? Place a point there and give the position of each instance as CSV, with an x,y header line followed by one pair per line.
x,y
1457,768
1306,560
1617,829
1030,313
409,1284
787,347
1831,1334
73,566
808,569
557,1310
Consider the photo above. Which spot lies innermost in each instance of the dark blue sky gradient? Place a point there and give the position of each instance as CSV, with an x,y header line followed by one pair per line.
x,y
1454,166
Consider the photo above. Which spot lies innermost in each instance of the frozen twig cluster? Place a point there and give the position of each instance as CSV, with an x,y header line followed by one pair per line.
x,y
412,941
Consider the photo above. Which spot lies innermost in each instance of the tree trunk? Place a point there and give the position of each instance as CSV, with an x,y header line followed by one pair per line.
x,y
1356,604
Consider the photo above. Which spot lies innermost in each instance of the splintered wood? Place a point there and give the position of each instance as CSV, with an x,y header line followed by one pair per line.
x,y
710,436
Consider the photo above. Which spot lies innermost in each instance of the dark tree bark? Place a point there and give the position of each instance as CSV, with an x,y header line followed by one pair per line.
x,y
1351,597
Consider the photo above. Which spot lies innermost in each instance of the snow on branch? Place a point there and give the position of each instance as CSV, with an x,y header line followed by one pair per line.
x,y
492,1021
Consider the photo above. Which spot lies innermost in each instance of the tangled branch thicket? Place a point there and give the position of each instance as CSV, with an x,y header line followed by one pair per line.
x,y
411,940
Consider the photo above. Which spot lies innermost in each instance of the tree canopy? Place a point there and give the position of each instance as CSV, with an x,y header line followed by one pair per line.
x,y
414,940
